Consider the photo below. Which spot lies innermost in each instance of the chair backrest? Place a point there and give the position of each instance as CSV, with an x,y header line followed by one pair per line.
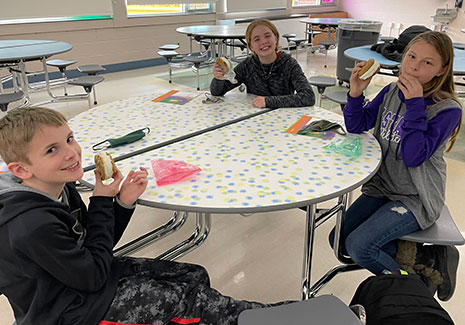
x,y
322,310
443,232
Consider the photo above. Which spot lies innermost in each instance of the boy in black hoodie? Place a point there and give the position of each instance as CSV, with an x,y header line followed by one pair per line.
x,y
56,255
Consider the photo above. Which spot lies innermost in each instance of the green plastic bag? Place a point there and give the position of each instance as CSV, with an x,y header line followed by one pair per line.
x,y
350,146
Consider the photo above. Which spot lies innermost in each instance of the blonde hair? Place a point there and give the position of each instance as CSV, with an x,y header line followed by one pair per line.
x,y
260,22
440,87
18,127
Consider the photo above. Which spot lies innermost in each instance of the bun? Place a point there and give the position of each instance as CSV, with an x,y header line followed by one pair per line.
x,y
370,68
224,63
105,165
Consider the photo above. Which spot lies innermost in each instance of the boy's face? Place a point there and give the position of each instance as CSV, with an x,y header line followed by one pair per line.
x,y
54,159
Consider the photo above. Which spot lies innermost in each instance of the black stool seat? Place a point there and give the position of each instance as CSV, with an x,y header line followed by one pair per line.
x,y
327,44
288,35
5,99
87,81
297,40
91,69
169,47
60,63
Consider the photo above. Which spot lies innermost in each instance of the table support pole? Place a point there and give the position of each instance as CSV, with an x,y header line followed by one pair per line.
x,y
348,263
174,223
197,238
308,250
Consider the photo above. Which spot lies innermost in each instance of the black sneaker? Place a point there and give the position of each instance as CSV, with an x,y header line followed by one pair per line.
x,y
448,262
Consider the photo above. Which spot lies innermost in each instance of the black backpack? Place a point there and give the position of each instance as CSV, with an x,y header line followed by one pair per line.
x,y
394,50
395,299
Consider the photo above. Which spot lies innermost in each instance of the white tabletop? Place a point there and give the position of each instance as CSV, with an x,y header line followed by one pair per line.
x,y
214,31
15,50
255,166
166,121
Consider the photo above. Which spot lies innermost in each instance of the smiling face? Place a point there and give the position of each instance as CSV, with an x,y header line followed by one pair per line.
x,y
423,62
263,42
54,159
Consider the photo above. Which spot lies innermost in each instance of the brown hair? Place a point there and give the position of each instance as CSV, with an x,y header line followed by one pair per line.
x,y
18,127
262,22
440,87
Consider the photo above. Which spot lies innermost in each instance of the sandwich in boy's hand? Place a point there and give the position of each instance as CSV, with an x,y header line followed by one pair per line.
x,y
224,63
370,68
105,165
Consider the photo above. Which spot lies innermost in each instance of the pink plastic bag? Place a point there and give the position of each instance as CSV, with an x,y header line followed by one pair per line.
x,y
171,171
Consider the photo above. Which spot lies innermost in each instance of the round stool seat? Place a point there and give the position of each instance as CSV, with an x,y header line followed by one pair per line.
x,y
87,81
339,97
91,69
168,54
321,82
327,44
288,35
60,63
196,59
297,40
169,47
11,97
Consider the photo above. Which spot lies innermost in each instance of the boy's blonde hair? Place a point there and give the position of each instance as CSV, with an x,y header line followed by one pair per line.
x,y
262,22
440,87
18,127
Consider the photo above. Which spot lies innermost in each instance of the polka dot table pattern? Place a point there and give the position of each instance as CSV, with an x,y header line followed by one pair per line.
x,y
166,121
254,166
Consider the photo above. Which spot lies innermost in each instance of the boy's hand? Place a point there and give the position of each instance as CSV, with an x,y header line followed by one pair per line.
x,y
133,186
259,102
357,85
110,190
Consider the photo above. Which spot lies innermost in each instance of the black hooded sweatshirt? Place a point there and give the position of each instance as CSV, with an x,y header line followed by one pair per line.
x,y
282,83
56,258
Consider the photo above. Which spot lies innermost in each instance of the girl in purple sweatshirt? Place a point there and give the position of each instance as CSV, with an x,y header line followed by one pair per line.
x,y
414,119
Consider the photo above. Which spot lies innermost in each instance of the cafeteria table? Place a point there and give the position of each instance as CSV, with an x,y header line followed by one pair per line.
x,y
254,166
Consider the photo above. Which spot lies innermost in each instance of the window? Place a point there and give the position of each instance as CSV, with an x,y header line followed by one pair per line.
x,y
303,3
136,8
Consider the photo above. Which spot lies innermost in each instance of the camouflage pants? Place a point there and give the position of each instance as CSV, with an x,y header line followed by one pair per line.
x,y
164,292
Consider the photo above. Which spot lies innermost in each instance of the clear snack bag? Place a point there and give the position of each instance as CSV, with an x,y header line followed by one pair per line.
x,y
171,171
350,146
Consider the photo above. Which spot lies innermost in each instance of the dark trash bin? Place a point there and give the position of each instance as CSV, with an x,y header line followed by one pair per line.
x,y
353,33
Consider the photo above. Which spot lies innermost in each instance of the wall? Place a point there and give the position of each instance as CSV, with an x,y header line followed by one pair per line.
x,y
406,12
124,39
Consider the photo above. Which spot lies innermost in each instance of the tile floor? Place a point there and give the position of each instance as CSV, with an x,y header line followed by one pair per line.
x,y
258,257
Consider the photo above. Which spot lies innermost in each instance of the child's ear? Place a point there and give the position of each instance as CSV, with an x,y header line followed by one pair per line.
x,y
19,170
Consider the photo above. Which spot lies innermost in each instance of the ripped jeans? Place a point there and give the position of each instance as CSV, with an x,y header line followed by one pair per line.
x,y
371,227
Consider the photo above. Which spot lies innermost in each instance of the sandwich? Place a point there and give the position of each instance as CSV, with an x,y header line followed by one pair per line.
x,y
224,63
370,68
105,165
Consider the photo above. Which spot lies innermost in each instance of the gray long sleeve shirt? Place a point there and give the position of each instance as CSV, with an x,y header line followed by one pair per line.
x,y
282,83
